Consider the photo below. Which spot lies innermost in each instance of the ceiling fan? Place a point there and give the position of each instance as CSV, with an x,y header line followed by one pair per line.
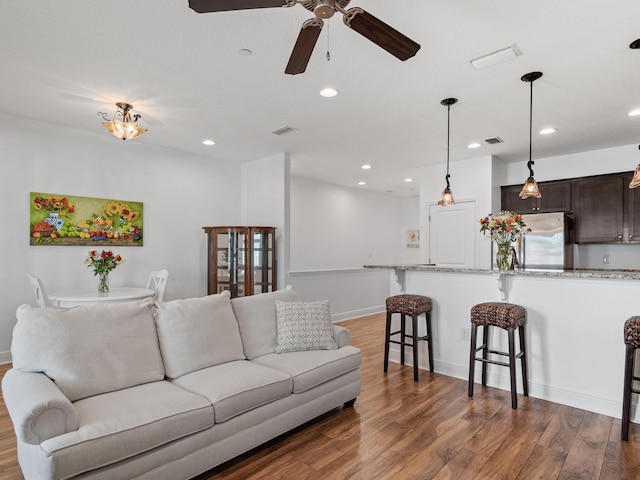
x,y
356,18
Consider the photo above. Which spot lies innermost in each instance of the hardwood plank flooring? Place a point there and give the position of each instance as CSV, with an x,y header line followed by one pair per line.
x,y
402,430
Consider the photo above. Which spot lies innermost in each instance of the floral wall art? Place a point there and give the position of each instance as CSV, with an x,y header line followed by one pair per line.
x,y
69,220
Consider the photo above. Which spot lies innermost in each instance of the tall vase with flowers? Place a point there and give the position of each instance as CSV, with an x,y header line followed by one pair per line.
x,y
504,227
103,262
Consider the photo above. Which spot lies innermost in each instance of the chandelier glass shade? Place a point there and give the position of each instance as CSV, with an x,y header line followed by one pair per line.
x,y
127,128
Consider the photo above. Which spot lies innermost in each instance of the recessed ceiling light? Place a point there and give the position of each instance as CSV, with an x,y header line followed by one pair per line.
x,y
328,92
634,113
474,145
208,142
366,166
245,52
362,183
547,131
408,180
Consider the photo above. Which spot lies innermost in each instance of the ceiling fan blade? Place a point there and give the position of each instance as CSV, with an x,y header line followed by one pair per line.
x,y
303,48
381,34
205,6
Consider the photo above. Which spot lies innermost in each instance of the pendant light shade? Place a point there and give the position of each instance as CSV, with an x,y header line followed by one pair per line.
x,y
530,187
447,195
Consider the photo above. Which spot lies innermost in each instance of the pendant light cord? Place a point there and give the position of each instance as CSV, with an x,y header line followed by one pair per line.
x,y
448,136
530,162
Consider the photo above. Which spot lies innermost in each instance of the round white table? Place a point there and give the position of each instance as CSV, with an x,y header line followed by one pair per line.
x,y
72,298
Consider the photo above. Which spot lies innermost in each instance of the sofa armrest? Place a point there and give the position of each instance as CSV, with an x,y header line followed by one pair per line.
x,y
37,407
341,335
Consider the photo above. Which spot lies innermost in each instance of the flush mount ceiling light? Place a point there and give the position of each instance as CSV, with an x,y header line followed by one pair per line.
x,y
447,195
366,166
474,145
408,180
208,142
530,187
496,57
362,183
128,128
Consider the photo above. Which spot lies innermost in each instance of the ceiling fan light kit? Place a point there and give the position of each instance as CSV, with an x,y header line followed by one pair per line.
x,y
357,19
127,128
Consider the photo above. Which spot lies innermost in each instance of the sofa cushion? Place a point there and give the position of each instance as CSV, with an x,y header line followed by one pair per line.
x,y
89,350
312,368
119,425
256,316
304,326
236,387
197,333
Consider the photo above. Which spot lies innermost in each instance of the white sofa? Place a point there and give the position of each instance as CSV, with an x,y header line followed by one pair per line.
x,y
168,391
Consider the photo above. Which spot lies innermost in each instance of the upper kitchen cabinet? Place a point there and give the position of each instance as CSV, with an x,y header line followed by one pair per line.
x,y
556,197
633,211
600,209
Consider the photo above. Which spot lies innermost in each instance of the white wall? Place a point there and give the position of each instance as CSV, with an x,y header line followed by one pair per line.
x,y
265,202
410,221
181,194
476,180
334,232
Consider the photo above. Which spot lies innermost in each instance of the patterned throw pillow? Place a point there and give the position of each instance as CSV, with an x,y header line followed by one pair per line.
x,y
304,326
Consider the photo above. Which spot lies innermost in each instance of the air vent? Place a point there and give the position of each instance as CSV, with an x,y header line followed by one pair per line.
x,y
284,130
494,140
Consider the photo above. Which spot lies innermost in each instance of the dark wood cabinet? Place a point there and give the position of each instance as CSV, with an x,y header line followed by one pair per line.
x,y
632,211
556,197
600,209
241,260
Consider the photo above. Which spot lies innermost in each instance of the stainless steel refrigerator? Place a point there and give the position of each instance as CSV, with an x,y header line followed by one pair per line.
x,y
549,245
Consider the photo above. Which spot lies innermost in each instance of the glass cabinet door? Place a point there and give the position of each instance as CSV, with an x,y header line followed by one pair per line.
x,y
241,260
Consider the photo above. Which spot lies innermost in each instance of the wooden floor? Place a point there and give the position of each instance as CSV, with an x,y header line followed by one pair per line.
x,y
399,429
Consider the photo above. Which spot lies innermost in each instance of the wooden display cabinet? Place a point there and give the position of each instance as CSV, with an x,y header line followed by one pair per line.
x,y
241,260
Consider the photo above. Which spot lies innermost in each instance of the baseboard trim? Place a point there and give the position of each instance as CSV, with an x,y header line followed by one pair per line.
x,y
5,357
604,406
340,317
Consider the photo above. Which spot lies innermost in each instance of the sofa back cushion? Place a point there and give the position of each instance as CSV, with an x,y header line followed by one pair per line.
x,y
91,350
196,333
256,315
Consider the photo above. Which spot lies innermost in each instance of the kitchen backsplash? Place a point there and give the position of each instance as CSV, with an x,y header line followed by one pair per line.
x,y
607,256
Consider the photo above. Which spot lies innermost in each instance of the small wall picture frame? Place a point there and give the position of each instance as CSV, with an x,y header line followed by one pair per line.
x,y
413,238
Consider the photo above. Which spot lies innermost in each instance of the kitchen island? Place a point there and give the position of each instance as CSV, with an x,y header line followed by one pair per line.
x,y
574,331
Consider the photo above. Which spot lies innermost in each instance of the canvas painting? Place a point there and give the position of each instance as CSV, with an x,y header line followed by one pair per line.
x,y
97,222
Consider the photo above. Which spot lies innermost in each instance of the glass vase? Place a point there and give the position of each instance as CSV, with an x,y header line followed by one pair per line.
x,y
502,257
103,284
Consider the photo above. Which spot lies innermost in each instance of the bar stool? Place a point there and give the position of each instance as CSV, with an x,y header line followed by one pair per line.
x,y
506,316
632,342
413,306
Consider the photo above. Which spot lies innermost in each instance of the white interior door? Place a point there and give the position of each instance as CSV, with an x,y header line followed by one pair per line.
x,y
452,235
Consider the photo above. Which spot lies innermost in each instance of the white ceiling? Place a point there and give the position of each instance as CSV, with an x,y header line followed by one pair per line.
x,y
62,61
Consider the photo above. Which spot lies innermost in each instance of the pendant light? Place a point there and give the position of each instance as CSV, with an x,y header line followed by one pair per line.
x,y
530,187
447,196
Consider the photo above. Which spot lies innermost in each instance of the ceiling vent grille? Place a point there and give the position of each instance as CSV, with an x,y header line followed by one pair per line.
x,y
284,130
494,140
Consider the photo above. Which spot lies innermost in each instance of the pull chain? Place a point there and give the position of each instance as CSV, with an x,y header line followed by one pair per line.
x,y
328,53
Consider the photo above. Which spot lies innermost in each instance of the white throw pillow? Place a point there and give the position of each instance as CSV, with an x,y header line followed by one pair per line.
x,y
89,350
196,333
304,326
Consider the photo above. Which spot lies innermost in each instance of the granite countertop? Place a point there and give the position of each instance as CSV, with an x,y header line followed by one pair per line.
x,y
577,273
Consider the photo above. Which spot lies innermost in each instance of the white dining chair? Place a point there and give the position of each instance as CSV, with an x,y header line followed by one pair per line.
x,y
157,282
39,291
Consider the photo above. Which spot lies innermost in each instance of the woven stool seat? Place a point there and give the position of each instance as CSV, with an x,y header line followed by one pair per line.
x,y
632,332
409,304
632,342
508,317
412,306
503,315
